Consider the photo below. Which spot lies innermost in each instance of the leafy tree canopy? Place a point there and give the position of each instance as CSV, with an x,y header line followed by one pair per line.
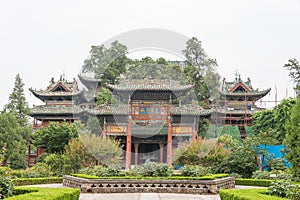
x,y
105,150
292,140
274,119
203,73
107,63
106,97
294,68
55,136
12,141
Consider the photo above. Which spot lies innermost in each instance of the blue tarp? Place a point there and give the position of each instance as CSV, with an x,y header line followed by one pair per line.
x,y
276,151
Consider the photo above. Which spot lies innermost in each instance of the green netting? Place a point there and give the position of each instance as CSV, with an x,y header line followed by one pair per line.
x,y
216,131
249,130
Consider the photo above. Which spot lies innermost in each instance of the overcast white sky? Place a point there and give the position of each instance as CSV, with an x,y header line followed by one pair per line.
x,y
43,39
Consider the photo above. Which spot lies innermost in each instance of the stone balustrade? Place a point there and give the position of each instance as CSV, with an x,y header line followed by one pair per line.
x,y
142,186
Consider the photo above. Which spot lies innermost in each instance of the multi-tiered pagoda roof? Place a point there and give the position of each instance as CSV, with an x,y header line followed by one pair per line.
x,y
58,91
241,89
60,99
151,89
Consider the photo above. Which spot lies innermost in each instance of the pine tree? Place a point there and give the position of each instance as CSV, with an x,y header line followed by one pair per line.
x,y
12,140
19,108
18,105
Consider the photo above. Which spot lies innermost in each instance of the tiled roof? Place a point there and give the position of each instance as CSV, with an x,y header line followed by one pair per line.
x,y
175,110
60,88
151,84
56,109
49,93
227,87
251,93
109,110
90,83
90,95
70,86
190,110
88,79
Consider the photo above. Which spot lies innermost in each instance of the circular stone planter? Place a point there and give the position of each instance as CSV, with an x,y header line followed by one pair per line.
x,y
143,186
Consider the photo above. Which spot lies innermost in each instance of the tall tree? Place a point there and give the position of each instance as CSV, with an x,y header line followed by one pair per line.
x,y
203,75
294,67
292,140
18,105
195,55
274,119
12,140
19,108
107,63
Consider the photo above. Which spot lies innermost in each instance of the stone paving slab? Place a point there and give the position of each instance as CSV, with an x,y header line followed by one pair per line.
x,y
147,196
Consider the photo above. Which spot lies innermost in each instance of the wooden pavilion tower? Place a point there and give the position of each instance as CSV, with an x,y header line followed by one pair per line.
x,y
237,104
148,123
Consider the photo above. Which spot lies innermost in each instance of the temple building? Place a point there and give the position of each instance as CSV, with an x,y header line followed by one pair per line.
x,y
237,104
60,99
149,119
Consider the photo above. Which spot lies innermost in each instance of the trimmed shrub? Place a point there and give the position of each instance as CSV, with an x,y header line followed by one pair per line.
x,y
261,175
279,188
207,177
38,170
5,171
294,193
267,175
99,170
151,169
36,181
6,187
195,170
235,175
158,169
249,194
285,176
23,193
253,182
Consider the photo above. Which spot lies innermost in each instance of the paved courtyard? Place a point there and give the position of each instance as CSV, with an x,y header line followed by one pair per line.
x,y
142,196
147,196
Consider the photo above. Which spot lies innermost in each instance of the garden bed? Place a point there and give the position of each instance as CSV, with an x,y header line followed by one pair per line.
x,y
36,181
22,193
122,185
249,194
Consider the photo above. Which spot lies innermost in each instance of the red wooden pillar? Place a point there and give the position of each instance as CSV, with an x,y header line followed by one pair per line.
x,y
169,143
128,146
136,153
195,135
161,152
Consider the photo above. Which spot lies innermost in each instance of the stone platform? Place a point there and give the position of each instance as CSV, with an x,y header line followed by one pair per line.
x,y
149,186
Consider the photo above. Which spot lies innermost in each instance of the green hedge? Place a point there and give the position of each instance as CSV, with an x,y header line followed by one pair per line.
x,y
206,177
23,193
253,182
35,181
249,194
